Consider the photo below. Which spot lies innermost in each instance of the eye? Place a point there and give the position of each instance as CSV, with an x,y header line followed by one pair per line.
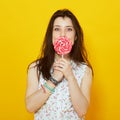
x,y
56,29
69,29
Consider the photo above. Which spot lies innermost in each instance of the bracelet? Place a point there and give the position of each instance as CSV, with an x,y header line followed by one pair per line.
x,y
54,81
52,90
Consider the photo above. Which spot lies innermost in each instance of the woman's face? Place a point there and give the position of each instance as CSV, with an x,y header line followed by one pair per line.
x,y
63,27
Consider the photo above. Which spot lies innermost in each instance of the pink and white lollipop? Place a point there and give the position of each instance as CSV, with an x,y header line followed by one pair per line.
x,y
62,46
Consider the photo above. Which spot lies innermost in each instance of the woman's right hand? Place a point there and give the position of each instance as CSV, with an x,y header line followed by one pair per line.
x,y
58,75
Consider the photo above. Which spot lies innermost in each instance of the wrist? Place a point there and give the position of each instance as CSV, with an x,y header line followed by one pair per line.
x,y
54,81
71,78
49,87
50,83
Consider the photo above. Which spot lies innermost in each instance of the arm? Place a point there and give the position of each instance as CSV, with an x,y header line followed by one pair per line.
x,y
35,97
80,96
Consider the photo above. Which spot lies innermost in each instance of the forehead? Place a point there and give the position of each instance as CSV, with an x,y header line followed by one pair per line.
x,y
63,21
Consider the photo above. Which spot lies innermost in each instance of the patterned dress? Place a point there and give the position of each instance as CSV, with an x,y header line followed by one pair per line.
x,y
59,105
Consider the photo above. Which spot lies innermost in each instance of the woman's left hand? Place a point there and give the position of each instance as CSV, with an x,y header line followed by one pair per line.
x,y
65,67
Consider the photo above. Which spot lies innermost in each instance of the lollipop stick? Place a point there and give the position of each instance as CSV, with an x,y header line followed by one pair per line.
x,y
62,55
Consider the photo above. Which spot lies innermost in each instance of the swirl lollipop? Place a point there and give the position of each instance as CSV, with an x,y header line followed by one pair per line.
x,y
62,46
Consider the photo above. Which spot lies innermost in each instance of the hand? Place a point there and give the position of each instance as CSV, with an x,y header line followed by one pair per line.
x,y
64,66
58,75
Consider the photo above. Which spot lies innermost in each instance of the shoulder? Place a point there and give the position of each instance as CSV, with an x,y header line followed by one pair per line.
x,y
88,73
87,68
32,68
32,72
33,65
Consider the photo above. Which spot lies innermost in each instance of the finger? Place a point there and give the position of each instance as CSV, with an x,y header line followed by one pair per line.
x,y
58,69
65,61
58,65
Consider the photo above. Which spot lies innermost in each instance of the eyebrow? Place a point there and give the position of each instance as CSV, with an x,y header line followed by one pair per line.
x,y
60,26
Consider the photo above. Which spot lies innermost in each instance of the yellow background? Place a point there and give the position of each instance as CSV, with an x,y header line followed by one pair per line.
x,y
22,28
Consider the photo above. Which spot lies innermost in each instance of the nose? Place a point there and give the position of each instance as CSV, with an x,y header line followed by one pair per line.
x,y
63,33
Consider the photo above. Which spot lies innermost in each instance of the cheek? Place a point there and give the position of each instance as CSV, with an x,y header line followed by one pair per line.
x,y
54,37
72,38
72,42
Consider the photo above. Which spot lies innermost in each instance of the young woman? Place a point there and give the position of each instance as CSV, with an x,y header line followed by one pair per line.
x,y
58,88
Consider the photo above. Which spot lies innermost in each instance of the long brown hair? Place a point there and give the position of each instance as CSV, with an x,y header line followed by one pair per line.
x,y
78,53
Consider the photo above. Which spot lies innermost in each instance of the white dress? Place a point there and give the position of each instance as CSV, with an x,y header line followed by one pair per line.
x,y
59,105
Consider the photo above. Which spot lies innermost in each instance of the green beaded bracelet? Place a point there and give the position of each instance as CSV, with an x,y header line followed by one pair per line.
x,y
52,90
